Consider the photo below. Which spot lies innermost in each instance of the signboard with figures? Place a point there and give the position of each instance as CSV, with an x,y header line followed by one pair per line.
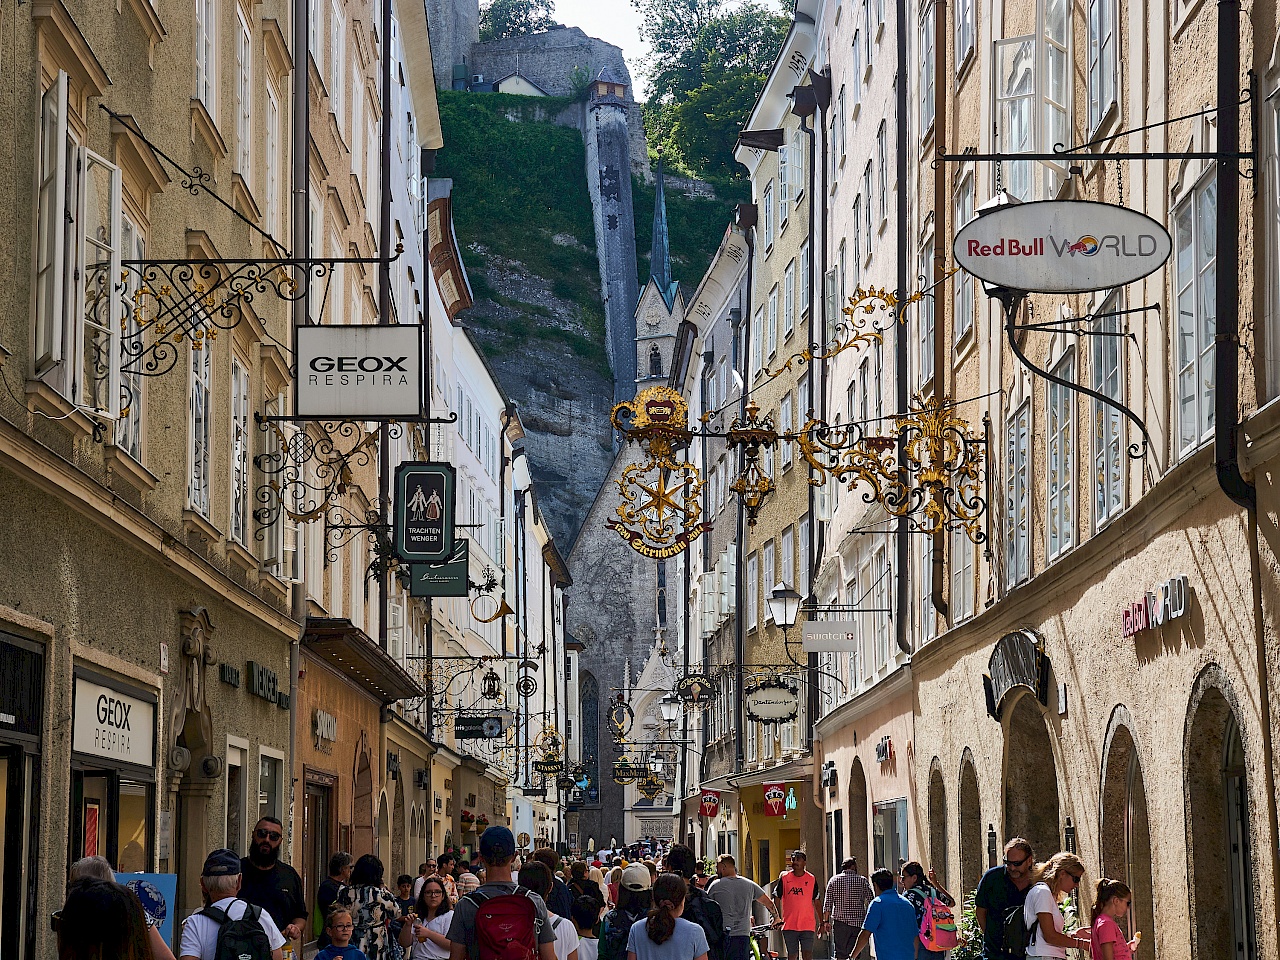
x,y
422,529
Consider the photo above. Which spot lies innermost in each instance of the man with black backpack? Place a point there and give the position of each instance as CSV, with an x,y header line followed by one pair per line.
x,y
228,928
500,920
699,908
998,903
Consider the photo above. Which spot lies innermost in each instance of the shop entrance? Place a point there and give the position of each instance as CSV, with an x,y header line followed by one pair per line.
x,y
858,817
1126,833
111,817
970,826
1031,781
317,831
22,698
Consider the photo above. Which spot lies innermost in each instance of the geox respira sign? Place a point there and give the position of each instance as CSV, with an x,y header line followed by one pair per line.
x,y
354,372
1062,246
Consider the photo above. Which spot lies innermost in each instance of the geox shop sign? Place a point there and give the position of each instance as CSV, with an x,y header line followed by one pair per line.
x,y
354,372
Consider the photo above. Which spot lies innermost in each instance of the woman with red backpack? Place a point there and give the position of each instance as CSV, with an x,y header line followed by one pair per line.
x,y
933,909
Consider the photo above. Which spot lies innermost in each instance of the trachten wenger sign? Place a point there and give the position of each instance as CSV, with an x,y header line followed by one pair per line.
x,y
830,636
1168,601
350,372
113,725
1062,246
422,527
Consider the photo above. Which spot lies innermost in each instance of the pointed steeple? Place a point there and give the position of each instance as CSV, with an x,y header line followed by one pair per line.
x,y
660,254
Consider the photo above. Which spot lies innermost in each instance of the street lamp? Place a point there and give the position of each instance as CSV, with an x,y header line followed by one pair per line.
x,y
784,606
669,707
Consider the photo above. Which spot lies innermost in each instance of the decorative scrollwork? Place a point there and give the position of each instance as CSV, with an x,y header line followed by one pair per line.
x,y
660,511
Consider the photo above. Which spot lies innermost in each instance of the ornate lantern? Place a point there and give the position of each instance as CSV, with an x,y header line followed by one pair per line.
x,y
491,685
752,485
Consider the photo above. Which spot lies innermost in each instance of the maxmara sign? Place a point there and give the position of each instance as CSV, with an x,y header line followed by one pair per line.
x,y
351,372
1062,246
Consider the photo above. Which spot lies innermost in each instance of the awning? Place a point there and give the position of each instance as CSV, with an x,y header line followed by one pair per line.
x,y
793,770
351,651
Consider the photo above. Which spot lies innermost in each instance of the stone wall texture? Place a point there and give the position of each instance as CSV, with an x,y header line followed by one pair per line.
x,y
455,27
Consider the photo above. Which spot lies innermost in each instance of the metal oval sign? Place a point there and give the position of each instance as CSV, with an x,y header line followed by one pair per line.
x,y
1062,246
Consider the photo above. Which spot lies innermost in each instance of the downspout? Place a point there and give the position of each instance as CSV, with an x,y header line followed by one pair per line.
x,y
903,595
817,335
426,163
938,594
740,535
384,310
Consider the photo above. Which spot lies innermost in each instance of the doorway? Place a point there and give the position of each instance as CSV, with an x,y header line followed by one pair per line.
x,y
1031,808
970,803
859,814
317,831
938,824
1126,832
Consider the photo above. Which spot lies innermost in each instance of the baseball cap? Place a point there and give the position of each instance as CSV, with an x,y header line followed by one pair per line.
x,y
221,863
636,877
497,843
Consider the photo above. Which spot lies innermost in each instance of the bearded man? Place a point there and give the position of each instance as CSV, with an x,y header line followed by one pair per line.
x,y
272,885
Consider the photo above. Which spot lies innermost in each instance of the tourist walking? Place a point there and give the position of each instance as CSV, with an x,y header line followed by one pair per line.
x,y
585,916
426,929
665,934
538,878
372,907
920,891
1001,889
1111,902
635,897
1054,881
272,885
220,882
698,907
339,927
101,920
735,895
340,866
890,922
844,907
799,907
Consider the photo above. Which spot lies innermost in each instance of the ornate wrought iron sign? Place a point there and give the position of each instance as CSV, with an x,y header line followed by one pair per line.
x,y
772,700
422,531
694,688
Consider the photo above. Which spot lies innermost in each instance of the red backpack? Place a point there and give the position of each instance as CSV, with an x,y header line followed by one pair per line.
x,y
507,926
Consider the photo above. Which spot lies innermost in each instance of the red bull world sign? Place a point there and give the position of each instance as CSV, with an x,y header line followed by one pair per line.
x,y
1062,246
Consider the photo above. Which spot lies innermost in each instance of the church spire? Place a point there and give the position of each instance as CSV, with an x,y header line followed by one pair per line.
x,y
660,254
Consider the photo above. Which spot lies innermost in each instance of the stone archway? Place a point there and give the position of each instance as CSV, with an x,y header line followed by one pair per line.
x,y
1124,827
362,802
937,822
1031,807
1219,840
383,850
398,840
970,809
859,817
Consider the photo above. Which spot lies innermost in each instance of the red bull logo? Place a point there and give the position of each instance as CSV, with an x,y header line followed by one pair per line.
x,y
1142,245
1085,245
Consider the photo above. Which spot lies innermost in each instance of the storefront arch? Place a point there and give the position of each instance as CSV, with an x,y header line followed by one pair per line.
x,y
937,822
970,809
362,801
1031,808
1219,840
859,816
398,840
383,850
1123,823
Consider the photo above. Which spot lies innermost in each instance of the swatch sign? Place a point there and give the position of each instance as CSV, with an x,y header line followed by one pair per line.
x,y
1062,246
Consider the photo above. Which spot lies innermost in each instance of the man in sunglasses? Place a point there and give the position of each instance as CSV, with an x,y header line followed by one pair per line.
x,y
270,884
1002,889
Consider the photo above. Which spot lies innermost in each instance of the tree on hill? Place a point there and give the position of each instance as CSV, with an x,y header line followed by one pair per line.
x,y
503,19
707,63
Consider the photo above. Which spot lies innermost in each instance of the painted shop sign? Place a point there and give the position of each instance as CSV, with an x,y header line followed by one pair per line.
x,y
485,727
830,636
445,580
1166,602
325,727
357,371
884,749
112,724
1017,661
422,531
710,805
772,701
1062,246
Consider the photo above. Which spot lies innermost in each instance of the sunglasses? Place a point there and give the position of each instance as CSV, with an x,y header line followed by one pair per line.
x,y
1077,877
272,835
1015,863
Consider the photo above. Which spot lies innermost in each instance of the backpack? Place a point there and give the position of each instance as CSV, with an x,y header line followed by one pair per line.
x,y
1017,936
242,939
937,925
706,913
507,925
614,932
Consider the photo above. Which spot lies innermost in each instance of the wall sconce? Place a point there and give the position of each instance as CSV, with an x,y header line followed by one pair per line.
x,y
991,844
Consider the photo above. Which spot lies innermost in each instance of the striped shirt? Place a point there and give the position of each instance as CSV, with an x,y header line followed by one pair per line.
x,y
848,896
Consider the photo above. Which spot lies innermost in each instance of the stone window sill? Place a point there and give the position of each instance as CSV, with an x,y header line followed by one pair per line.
x,y
193,521
44,400
124,468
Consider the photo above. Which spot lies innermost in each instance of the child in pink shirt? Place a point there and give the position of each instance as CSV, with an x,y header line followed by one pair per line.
x,y
1107,940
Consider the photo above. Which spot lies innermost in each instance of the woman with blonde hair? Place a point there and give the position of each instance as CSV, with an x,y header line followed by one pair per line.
x,y
1052,883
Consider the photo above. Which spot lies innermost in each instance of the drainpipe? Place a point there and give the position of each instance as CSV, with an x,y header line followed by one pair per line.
x,y
901,534
747,218
938,594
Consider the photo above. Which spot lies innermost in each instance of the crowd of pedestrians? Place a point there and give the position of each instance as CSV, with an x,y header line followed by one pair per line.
x,y
496,907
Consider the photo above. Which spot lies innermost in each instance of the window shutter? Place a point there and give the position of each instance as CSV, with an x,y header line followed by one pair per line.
x,y
395,629
98,306
51,235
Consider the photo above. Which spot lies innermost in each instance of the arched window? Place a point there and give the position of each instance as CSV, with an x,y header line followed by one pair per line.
x,y
589,691
655,361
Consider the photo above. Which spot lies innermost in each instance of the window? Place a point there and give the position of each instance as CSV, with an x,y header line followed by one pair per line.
x,y
833,154
337,60
270,781
358,146
1108,495
966,29
395,629
1062,512
877,386
789,300
927,98
773,320
880,601
237,829
856,52
129,426
198,452
753,591
837,315
80,221
863,392
1103,64
244,92
1017,521
271,161
315,38
784,183
769,574
928,617
768,216
795,163
926,316
751,741
889,831
757,343
856,225
841,129
963,281
802,567
830,300
239,452
867,192
804,277
868,28
207,55
1195,275
788,548
786,423
962,585
882,159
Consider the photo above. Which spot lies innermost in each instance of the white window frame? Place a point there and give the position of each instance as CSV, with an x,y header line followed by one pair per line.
x,y
879,571
768,573
869,30
206,58
1104,63
271,162
966,31
964,211
802,555
199,461
1194,329
128,433
769,227
842,128
868,177
784,184
928,100
786,422
773,321
962,584
757,343
928,625
1060,467
238,747
1018,499
337,61
856,223
789,300
795,162
856,53
805,292
1107,355
270,753
240,441
787,549
882,157
244,93
753,591
926,319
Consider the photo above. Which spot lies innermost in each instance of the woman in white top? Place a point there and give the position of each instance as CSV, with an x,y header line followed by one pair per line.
x,y
1056,880
431,916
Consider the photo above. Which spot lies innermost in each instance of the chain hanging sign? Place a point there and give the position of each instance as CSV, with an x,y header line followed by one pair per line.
x,y
772,700
422,531
447,579
360,371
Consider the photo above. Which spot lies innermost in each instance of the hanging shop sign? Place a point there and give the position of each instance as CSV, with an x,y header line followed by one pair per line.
x,y
1164,603
422,530
1017,661
355,372
447,579
772,701
693,688
710,803
775,799
1062,246
112,724
830,636
484,727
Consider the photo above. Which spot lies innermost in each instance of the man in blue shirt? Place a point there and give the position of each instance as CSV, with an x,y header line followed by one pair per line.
x,y
891,919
